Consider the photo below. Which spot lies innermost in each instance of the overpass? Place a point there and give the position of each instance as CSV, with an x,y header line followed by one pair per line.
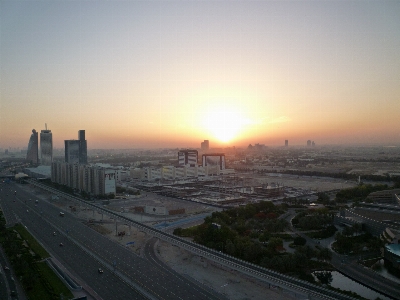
x,y
300,288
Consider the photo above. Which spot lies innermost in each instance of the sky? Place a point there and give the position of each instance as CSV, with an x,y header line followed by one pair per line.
x,y
155,74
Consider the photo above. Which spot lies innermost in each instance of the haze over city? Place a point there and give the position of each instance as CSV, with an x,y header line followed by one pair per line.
x,y
173,73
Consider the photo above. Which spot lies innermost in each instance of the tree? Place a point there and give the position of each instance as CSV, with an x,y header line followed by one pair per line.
x,y
323,198
230,247
273,243
324,254
324,277
300,241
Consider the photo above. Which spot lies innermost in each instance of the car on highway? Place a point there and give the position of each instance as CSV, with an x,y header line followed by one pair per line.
x,y
100,270
61,214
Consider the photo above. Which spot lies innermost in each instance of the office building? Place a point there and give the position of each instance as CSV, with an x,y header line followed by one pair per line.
x,y
46,147
32,154
308,143
188,157
76,150
205,145
286,143
82,147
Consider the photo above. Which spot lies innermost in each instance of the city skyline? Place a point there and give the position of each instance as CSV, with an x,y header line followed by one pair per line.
x,y
165,74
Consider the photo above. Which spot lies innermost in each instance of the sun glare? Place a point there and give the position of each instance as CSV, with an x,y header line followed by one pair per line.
x,y
224,125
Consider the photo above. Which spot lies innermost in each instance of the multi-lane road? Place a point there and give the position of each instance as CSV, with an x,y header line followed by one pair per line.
x,y
126,275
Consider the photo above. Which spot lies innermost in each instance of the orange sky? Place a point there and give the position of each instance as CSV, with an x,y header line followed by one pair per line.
x,y
171,74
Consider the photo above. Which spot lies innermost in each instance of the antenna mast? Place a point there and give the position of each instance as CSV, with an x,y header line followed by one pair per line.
x,y
45,125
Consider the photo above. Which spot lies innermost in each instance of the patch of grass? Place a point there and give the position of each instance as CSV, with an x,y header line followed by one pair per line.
x,y
54,281
37,292
38,280
33,244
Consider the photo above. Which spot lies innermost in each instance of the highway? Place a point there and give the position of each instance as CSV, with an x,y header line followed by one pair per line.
x,y
298,287
126,275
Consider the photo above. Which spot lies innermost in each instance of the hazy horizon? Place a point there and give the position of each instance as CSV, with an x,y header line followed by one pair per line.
x,y
170,74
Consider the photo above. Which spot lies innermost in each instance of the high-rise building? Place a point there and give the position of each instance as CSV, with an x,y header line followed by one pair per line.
x,y
82,147
205,145
32,154
286,143
188,157
46,147
76,150
308,143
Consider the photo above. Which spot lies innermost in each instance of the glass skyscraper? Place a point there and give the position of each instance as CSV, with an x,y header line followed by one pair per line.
x,y
76,150
46,147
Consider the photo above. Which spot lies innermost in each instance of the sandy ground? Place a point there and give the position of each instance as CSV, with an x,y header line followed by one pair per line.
x,y
230,283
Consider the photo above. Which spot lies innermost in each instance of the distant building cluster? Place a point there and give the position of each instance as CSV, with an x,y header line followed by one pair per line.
x,y
75,171
75,150
93,180
310,143
77,174
177,173
212,164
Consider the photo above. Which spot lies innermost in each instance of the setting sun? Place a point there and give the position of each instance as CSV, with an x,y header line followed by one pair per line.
x,y
224,124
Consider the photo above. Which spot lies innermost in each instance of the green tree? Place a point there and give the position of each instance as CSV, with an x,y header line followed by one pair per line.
x,y
273,243
300,241
324,277
324,254
230,247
